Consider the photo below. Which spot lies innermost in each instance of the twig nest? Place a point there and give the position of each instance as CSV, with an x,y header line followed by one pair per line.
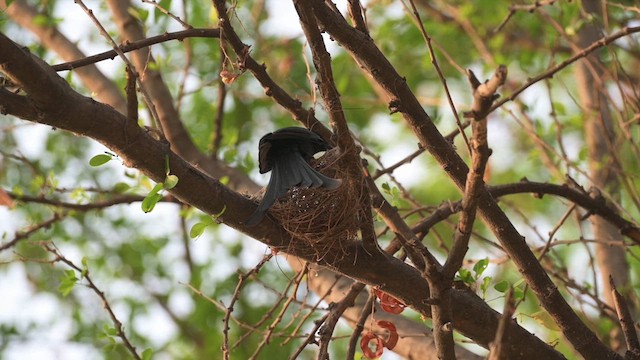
x,y
324,219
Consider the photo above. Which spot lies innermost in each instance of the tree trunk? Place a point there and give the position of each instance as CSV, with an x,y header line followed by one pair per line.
x,y
603,169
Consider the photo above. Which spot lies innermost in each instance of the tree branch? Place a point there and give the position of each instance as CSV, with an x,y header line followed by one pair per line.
x,y
25,15
59,106
403,100
129,46
273,90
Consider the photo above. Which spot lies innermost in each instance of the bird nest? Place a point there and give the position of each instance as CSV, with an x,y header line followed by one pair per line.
x,y
324,220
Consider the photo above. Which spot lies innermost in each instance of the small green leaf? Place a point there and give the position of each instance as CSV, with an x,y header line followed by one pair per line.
x,y
465,276
139,14
170,182
41,20
518,294
146,354
150,202
502,286
480,267
485,285
109,331
121,187
67,282
100,159
156,189
224,180
85,267
17,190
197,229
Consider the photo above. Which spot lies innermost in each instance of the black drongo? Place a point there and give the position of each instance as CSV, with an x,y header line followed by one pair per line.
x,y
286,152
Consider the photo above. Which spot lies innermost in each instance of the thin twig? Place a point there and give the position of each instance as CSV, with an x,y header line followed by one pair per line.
x,y
367,308
116,200
236,295
442,317
219,116
84,273
168,13
335,313
434,62
357,13
294,106
627,30
24,234
626,322
267,336
500,344
152,110
131,46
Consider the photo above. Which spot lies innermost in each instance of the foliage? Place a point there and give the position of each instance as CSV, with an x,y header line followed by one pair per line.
x,y
132,269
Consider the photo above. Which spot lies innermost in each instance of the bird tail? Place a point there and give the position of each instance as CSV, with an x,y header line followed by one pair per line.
x,y
290,171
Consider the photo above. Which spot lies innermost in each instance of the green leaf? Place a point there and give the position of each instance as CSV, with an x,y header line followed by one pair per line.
x,y
480,267
67,282
85,266
170,182
465,276
156,189
518,294
42,20
485,285
121,187
109,331
197,229
100,159
147,353
150,202
140,14
502,286
224,180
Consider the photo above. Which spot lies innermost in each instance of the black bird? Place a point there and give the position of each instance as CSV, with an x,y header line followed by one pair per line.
x,y
287,152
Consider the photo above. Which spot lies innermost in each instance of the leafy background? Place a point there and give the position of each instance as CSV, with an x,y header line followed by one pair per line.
x,y
159,280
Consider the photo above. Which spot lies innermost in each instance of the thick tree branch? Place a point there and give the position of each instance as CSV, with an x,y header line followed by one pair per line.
x,y
403,100
294,106
162,100
333,105
104,89
483,96
59,106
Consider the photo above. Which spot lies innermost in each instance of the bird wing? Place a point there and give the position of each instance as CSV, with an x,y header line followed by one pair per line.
x,y
285,152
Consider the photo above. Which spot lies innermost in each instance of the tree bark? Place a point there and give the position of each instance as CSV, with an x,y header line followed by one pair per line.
x,y
603,169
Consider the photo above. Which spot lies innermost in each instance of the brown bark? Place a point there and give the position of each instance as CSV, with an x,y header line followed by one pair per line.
x,y
96,82
603,169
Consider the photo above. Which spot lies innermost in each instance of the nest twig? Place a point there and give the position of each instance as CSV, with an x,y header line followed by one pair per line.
x,y
325,220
